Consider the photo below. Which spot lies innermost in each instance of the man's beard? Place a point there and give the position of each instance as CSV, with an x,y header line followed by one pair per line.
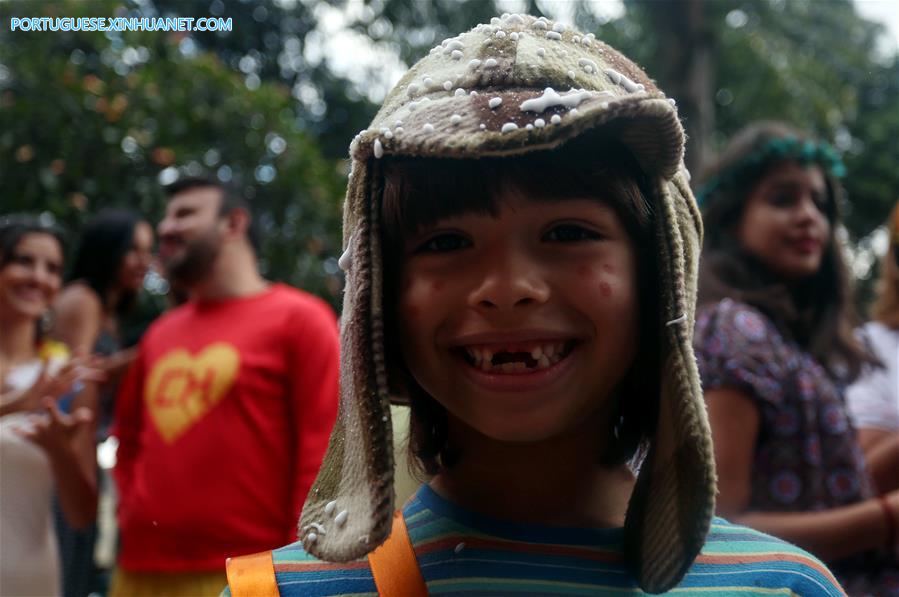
x,y
196,261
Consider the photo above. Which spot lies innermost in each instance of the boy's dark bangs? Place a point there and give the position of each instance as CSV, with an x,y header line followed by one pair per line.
x,y
419,192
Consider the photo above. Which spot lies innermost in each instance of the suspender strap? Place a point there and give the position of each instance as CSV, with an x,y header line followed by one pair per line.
x,y
393,564
252,576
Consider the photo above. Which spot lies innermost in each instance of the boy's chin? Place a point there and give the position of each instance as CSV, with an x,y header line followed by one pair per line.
x,y
523,430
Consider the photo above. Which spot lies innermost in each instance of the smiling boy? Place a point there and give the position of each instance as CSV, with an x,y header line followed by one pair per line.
x,y
521,269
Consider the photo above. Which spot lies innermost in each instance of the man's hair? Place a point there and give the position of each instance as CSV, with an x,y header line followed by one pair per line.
x,y
231,199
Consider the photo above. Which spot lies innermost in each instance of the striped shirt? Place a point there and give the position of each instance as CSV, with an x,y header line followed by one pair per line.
x,y
464,553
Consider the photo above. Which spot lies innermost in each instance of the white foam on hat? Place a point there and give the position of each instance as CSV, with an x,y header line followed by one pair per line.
x,y
622,80
452,46
551,98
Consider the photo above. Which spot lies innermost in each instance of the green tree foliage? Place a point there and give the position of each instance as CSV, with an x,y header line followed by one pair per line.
x,y
873,157
788,60
91,120
269,43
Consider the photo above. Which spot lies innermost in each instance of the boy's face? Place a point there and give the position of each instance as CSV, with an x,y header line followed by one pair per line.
x,y
521,325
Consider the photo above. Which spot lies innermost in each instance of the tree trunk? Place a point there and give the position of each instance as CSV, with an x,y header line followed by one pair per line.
x,y
684,46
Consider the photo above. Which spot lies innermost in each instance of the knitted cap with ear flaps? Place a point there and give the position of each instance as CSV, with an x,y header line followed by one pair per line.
x,y
518,85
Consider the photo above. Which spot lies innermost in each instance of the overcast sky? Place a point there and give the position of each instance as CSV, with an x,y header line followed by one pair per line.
x,y
886,12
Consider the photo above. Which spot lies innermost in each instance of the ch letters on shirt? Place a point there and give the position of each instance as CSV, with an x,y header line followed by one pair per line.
x,y
182,388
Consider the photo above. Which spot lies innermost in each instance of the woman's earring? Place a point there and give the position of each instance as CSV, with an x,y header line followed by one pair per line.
x,y
46,323
618,428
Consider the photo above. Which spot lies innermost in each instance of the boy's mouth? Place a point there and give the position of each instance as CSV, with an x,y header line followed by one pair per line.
x,y
520,357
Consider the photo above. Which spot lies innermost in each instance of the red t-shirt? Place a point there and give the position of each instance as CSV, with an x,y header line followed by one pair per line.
x,y
222,423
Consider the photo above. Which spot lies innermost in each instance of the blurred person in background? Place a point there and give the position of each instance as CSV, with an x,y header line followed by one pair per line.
x,y
228,391
47,408
775,346
110,263
874,397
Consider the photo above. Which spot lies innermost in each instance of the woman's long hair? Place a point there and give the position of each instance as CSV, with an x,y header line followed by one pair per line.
x,y
105,240
886,305
817,313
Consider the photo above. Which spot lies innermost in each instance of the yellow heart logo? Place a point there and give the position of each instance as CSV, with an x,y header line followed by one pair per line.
x,y
181,388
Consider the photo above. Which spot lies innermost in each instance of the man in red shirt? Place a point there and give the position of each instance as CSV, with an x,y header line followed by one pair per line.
x,y
225,414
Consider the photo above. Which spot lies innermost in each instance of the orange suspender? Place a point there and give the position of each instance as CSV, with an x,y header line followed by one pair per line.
x,y
393,564
252,576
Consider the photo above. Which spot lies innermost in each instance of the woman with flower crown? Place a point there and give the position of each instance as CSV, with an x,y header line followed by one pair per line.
x,y
775,346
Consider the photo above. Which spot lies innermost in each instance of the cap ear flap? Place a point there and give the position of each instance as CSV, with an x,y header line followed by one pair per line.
x,y
356,475
674,500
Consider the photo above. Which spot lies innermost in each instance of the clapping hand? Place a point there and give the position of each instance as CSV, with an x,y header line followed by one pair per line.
x,y
53,430
114,366
56,384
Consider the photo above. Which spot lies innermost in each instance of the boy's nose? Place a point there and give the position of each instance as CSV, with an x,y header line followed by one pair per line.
x,y
510,283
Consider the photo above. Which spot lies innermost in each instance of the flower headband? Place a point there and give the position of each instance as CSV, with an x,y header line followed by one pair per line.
x,y
775,150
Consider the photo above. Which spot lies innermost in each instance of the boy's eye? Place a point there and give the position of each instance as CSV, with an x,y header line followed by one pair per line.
x,y
570,233
444,243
